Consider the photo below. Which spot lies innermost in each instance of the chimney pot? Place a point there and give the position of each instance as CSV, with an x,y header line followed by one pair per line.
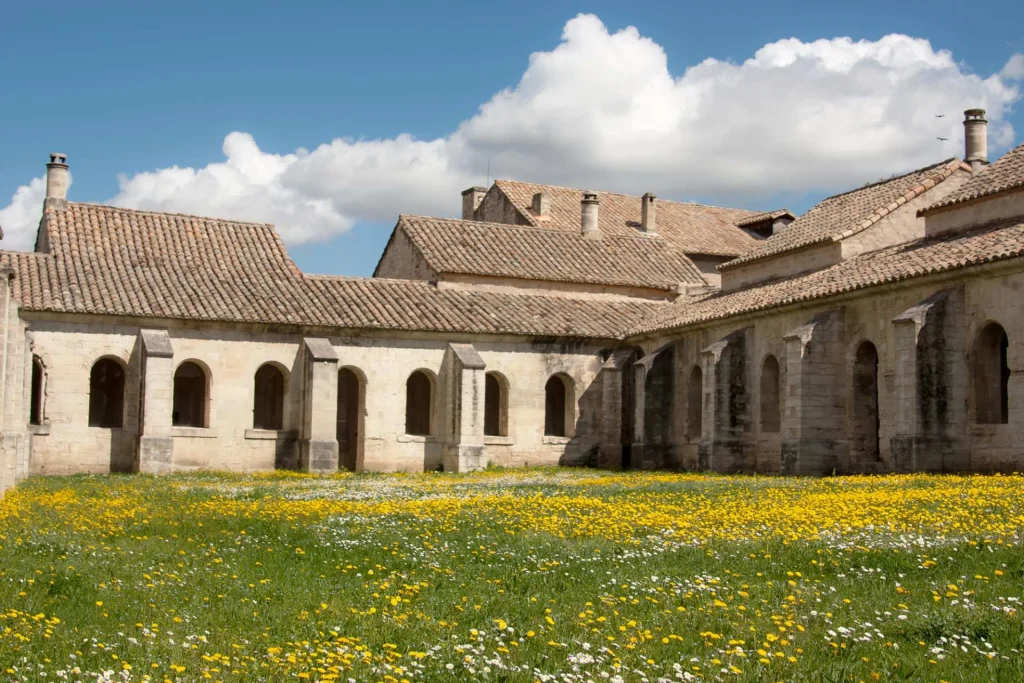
x,y
471,200
589,206
975,139
648,215
57,181
541,204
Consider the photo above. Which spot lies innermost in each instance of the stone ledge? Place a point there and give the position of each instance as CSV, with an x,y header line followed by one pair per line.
x,y
559,440
39,430
193,433
415,438
269,434
499,441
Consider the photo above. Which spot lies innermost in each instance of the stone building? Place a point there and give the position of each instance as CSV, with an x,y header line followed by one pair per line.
x,y
878,332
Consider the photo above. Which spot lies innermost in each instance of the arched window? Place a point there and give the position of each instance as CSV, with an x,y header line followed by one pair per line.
x,y
557,406
694,403
268,403
418,399
189,409
106,394
771,418
992,376
865,402
495,405
36,414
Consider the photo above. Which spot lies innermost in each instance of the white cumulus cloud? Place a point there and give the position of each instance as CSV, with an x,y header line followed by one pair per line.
x,y
603,109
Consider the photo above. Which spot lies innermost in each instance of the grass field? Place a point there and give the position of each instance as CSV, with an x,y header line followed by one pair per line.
x,y
547,575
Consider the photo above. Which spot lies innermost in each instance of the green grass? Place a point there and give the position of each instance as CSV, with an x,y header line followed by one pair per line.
x,y
514,575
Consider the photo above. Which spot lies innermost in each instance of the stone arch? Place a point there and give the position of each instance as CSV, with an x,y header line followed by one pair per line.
x,y
495,404
190,406
695,403
37,396
269,386
559,413
992,375
419,403
106,393
771,412
350,419
659,397
866,423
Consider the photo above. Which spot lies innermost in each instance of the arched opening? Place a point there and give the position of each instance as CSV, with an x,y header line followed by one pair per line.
x,y
495,405
189,406
268,398
557,406
992,376
350,401
36,413
419,392
659,397
694,403
771,416
865,402
106,394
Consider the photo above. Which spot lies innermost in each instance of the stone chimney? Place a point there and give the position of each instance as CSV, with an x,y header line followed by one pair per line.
x,y
589,206
542,204
57,180
975,139
648,215
471,199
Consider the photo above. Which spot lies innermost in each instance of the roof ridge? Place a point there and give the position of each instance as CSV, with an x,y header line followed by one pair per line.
x,y
944,162
648,237
111,207
623,194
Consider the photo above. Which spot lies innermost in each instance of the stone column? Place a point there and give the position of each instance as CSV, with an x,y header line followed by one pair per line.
x,y
813,425
930,426
318,439
609,450
463,374
155,451
725,444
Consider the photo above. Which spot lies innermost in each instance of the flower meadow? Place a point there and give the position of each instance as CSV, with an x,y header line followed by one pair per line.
x,y
512,575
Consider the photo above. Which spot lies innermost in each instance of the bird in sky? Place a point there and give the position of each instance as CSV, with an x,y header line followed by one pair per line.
x,y
943,139
939,116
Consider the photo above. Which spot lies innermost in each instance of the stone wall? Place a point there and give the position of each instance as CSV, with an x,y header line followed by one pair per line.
x,y
231,358
401,260
924,367
15,375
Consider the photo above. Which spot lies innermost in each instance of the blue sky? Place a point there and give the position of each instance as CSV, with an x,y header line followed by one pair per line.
x,y
130,88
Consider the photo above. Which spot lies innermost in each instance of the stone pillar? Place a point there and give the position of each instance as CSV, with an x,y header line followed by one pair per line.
x,y
930,427
726,445
655,390
318,439
155,451
814,425
463,374
609,449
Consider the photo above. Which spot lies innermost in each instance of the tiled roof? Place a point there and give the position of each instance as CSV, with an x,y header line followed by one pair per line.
x,y
105,260
846,214
377,303
691,228
897,263
516,251
1006,173
766,216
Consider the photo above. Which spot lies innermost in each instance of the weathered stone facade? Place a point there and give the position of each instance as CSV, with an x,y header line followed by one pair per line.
x,y
889,341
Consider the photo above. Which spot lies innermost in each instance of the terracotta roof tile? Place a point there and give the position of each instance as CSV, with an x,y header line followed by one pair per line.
x,y
897,263
112,261
766,216
690,228
842,215
1006,173
515,251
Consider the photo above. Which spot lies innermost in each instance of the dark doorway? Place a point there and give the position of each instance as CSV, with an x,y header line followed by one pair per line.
x,y
349,400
